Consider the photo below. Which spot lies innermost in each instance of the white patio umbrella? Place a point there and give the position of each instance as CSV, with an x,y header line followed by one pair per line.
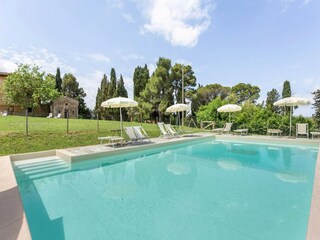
x,y
229,108
179,107
119,102
291,102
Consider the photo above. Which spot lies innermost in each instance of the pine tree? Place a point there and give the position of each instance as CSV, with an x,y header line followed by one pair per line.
x,y
70,88
112,90
316,106
58,80
272,97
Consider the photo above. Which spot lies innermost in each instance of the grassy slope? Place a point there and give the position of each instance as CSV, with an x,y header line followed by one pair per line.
x,y
47,134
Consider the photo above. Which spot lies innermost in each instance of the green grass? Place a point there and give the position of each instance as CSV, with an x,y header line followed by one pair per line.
x,y
46,134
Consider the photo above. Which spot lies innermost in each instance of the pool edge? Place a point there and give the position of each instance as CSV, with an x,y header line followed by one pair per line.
x,y
8,178
13,222
313,231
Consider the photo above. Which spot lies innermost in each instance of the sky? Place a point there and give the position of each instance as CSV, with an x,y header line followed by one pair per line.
x,y
261,42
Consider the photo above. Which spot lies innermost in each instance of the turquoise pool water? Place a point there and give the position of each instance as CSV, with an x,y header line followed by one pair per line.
x,y
200,190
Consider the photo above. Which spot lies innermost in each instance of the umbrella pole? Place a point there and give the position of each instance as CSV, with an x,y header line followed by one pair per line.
x,y
229,116
290,119
120,121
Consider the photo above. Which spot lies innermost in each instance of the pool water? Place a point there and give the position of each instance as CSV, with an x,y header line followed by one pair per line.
x,y
200,190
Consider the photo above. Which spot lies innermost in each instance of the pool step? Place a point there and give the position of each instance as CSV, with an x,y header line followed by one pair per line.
x,y
40,168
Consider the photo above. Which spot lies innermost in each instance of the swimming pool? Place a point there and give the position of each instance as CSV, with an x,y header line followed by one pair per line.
x,y
200,190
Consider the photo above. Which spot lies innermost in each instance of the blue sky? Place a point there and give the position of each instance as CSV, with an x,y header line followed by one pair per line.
x,y
261,42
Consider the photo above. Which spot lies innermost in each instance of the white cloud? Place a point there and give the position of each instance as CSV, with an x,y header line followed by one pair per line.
x,y
179,21
115,3
287,3
128,18
133,57
43,58
98,57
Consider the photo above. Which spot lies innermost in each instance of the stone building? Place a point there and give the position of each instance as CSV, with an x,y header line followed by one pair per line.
x,y
64,105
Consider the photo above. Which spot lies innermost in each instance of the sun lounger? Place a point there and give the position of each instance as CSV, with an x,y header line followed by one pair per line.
x,y
50,115
131,134
274,131
4,114
163,131
171,130
241,132
302,129
141,133
112,139
58,115
225,129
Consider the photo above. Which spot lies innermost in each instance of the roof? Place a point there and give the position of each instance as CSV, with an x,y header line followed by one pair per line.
x,y
65,98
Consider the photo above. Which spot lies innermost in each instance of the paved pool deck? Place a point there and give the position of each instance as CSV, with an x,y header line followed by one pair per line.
x,y
13,221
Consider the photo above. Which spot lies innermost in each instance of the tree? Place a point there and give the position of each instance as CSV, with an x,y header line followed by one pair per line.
x,y
203,95
272,97
189,80
286,92
246,92
70,88
316,106
158,94
102,95
140,79
58,85
112,90
28,87
121,90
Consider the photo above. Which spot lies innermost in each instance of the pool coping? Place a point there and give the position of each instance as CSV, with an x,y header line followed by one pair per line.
x,y
14,225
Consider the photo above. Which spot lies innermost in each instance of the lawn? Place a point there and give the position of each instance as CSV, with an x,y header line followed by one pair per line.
x,y
45,134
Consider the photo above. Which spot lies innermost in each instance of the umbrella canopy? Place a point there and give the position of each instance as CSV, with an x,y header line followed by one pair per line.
x,y
229,108
291,102
119,102
178,108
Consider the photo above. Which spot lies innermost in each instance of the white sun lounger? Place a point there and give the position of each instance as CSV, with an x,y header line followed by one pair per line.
x,y
112,139
163,131
50,115
131,134
171,130
243,131
302,129
141,133
225,129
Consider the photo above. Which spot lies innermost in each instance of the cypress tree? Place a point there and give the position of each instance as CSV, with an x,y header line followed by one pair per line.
x,y
58,80
112,90
316,106
140,79
286,92
121,90
102,95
